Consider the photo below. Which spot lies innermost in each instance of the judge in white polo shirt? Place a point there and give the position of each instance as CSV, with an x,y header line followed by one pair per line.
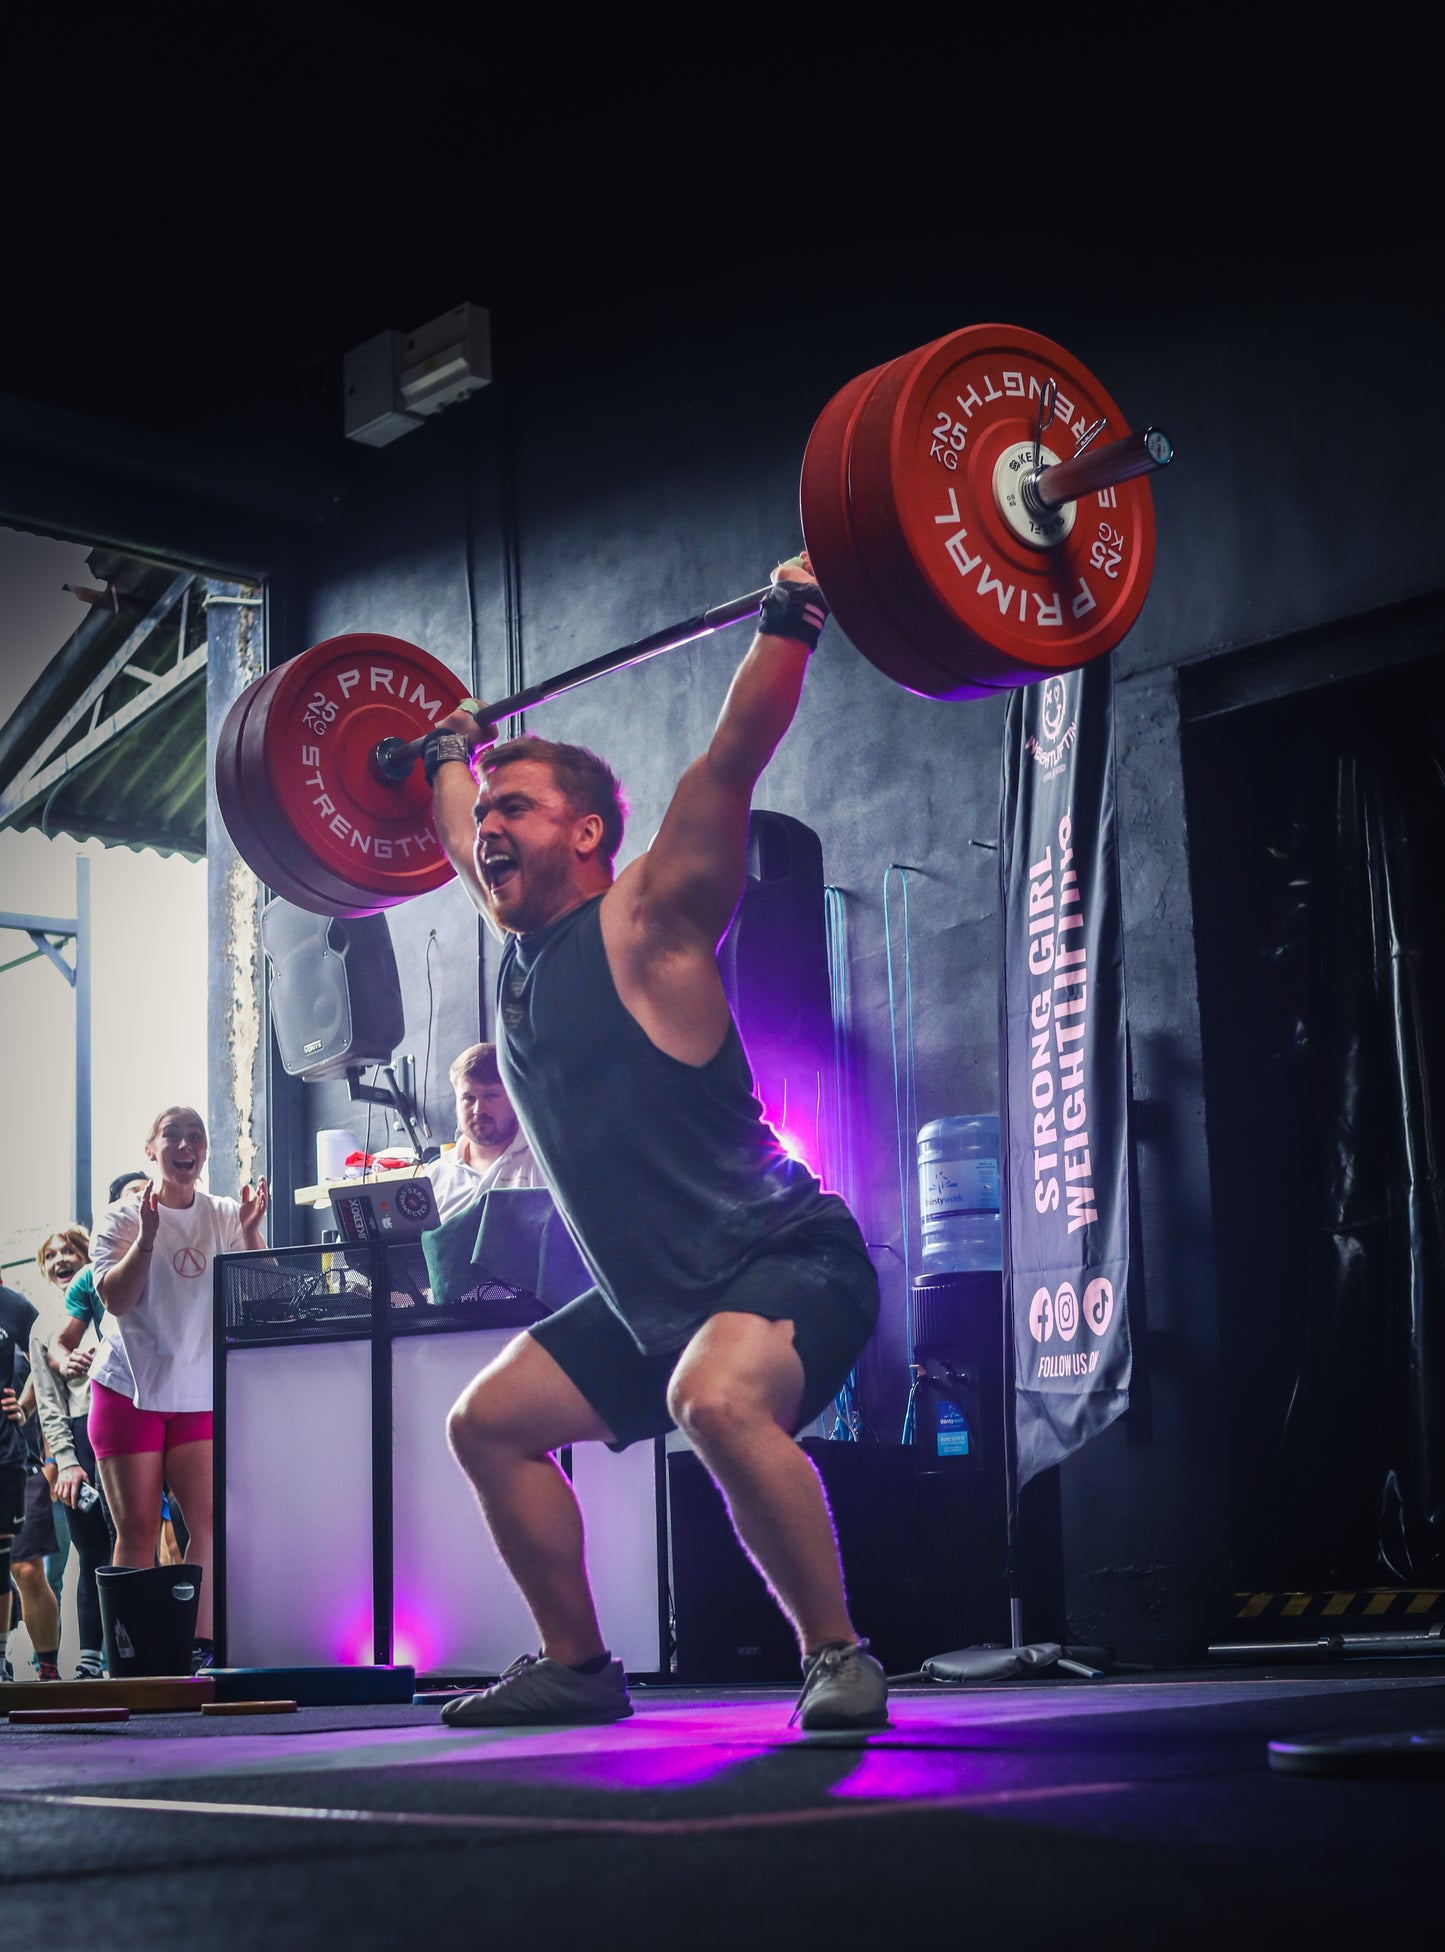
x,y
491,1149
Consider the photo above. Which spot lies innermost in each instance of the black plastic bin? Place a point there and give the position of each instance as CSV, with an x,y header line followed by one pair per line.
x,y
148,1617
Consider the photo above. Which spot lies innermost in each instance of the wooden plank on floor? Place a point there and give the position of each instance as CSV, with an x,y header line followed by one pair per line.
x,y
157,1695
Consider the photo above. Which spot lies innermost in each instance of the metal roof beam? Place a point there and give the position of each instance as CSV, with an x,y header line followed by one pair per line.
x,y
112,667
49,949
45,924
70,660
37,778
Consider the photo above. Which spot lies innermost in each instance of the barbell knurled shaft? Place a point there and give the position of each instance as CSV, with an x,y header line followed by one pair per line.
x,y
394,758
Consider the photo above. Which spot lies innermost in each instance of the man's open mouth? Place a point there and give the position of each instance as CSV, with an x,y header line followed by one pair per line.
x,y
497,870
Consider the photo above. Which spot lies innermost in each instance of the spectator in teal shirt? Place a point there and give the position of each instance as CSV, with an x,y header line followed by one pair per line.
x,y
81,1300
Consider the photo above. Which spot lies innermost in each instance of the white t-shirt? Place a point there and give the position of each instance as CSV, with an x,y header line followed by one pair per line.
x,y
458,1185
159,1355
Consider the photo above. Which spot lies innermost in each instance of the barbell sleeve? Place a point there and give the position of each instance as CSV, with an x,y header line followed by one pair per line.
x,y
393,759
1101,467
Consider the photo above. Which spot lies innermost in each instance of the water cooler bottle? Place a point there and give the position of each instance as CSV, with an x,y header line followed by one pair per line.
x,y
958,1299
958,1421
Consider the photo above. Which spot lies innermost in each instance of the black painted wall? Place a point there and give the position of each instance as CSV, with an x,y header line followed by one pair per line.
x,y
644,436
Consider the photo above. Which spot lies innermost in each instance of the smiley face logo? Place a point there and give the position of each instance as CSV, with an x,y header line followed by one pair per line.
x,y
1055,703
189,1262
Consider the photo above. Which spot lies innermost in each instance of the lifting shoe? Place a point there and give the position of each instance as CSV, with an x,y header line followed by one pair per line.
x,y
843,1687
535,1689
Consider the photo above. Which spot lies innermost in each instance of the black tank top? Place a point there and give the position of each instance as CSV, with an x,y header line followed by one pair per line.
x,y
665,1172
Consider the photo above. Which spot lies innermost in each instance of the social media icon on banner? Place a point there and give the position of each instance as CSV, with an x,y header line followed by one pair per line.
x,y
1041,1315
1099,1304
1066,1312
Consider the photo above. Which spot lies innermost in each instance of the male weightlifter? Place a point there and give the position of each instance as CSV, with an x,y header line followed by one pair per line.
x,y
733,1295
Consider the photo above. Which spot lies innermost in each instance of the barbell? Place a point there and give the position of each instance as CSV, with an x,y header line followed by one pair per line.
x,y
968,525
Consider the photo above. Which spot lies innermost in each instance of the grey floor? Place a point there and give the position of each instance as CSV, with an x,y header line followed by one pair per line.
x,y
1125,1812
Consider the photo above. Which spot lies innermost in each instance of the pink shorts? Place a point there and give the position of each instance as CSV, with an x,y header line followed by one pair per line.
x,y
116,1428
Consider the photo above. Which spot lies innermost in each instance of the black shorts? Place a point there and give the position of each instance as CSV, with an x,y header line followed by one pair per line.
x,y
824,1283
13,1479
37,1535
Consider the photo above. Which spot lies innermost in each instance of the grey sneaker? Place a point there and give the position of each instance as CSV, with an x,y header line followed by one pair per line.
x,y
843,1687
535,1689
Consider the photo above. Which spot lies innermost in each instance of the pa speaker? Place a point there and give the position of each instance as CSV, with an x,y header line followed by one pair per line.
x,y
774,957
729,1627
335,994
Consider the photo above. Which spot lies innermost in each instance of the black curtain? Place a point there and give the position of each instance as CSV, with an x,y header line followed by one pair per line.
x,y
1317,841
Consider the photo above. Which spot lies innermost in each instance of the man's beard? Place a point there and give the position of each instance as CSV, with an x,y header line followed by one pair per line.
x,y
546,879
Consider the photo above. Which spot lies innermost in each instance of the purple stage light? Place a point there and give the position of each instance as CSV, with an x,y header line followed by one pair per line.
x,y
413,1642
882,1774
353,1636
642,1770
797,1134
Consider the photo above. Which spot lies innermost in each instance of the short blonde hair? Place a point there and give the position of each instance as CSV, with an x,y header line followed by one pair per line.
x,y
478,1061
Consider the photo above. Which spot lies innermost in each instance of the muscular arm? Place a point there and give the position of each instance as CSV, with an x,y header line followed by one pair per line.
x,y
454,795
690,878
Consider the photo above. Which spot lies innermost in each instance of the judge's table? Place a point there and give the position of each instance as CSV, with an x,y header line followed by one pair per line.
x,y
319,1195
333,1473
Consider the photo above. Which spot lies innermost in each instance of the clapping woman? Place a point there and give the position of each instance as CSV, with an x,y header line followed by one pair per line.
x,y
150,1401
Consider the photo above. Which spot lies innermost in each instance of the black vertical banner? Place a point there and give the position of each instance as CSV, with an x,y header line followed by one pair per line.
x,y
1063,1067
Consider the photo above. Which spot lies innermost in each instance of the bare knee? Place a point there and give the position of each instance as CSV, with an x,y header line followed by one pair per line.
x,y
478,1425
711,1411
464,1423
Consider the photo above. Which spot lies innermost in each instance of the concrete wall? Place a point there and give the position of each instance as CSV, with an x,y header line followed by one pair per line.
x,y
655,441
237,1057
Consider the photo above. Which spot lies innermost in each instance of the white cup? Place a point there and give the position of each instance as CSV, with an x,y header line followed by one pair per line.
x,y
332,1147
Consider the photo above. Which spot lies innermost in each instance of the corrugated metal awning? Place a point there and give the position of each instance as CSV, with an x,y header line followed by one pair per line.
x,y
109,743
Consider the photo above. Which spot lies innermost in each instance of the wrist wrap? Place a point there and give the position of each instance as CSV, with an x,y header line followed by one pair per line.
x,y
795,610
441,747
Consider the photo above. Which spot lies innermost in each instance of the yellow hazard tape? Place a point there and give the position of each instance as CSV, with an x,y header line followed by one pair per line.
x,y
1371,1603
